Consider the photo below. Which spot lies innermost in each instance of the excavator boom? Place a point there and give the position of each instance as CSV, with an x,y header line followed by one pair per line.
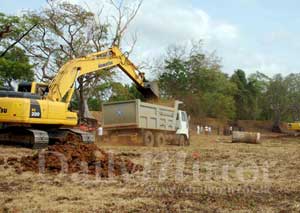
x,y
108,59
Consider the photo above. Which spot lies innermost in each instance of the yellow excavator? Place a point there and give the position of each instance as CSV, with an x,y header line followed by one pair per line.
x,y
294,126
38,113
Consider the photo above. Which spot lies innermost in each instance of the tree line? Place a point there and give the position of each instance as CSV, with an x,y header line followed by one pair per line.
x,y
196,77
35,44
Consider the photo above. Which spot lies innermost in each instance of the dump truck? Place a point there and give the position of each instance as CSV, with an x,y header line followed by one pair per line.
x,y
150,124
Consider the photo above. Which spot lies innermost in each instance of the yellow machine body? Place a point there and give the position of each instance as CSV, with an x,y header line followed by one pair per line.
x,y
30,111
294,126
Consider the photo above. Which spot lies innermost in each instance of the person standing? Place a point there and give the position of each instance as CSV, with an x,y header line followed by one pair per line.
x,y
206,130
198,130
100,133
209,130
230,130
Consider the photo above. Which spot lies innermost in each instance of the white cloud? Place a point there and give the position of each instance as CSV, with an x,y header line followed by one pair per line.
x,y
251,60
226,31
161,23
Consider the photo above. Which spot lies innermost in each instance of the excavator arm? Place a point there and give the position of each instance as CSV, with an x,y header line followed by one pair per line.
x,y
62,86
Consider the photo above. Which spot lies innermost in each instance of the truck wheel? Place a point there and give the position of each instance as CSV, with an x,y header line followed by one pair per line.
x,y
148,138
160,139
182,140
187,141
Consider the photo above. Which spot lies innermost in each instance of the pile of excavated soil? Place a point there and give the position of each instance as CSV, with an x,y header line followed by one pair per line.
x,y
76,157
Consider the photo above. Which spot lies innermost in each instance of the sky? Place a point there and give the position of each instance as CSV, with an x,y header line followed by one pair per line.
x,y
253,35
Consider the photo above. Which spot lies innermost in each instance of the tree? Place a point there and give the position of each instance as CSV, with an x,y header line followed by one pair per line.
x,y
242,94
195,77
122,92
218,105
67,31
14,67
246,96
293,82
12,31
277,100
8,26
259,85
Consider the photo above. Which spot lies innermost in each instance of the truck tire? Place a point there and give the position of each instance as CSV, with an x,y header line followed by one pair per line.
x,y
181,140
148,138
160,139
187,141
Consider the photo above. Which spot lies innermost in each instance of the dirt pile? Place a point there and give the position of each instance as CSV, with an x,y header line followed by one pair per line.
x,y
76,157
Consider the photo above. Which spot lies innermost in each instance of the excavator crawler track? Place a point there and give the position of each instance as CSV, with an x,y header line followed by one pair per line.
x,y
35,139
39,139
64,135
86,137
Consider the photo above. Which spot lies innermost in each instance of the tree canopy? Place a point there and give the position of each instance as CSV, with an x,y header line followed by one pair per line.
x,y
196,77
15,67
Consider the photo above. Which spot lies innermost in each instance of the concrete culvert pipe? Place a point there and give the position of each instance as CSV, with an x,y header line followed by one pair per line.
x,y
245,137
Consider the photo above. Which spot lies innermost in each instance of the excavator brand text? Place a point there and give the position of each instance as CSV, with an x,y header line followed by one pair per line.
x,y
3,110
105,64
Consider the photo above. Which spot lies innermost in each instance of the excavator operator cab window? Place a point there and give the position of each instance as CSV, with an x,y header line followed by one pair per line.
x,y
24,87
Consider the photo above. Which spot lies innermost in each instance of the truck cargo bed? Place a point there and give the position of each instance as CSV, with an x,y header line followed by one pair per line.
x,y
138,114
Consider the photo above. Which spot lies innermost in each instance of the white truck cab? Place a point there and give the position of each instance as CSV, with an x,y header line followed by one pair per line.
x,y
182,131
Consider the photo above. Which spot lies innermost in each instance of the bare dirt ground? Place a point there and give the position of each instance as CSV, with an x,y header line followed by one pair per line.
x,y
210,175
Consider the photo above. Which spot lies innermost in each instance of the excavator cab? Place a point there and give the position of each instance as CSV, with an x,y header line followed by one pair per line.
x,y
40,89
31,90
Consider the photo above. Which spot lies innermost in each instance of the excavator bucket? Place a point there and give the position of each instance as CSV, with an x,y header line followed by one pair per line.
x,y
150,90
